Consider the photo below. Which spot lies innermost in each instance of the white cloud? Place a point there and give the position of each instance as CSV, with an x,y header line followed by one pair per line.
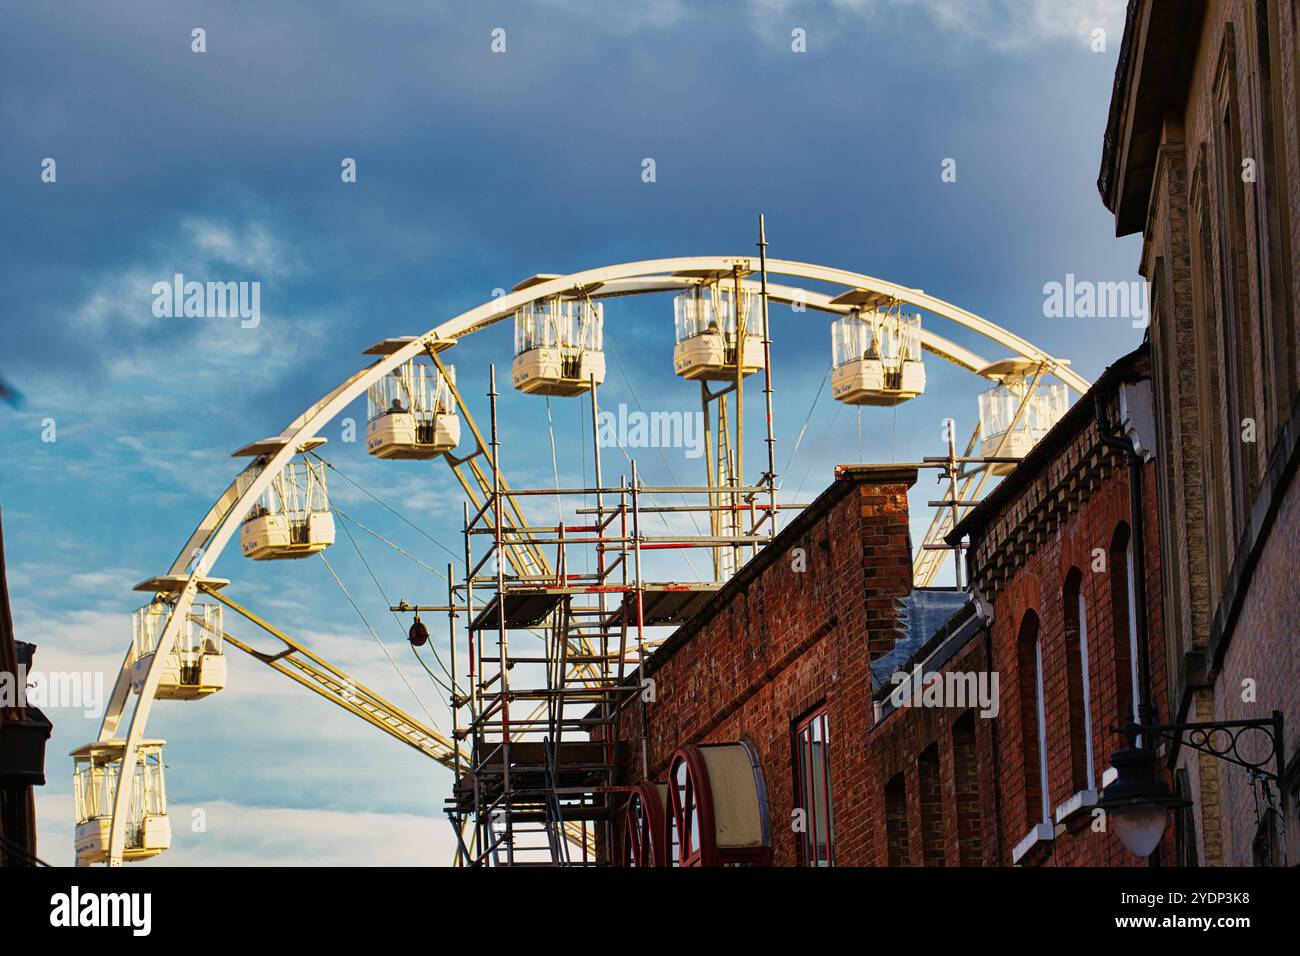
x,y
1001,24
623,18
207,250
120,299
241,835
252,248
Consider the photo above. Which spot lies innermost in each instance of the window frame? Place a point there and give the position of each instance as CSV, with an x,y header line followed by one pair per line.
x,y
1075,607
811,852
644,830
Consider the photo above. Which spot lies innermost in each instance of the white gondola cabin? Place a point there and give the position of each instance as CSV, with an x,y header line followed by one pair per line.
x,y
705,318
877,358
94,777
292,518
196,667
412,413
1005,431
559,345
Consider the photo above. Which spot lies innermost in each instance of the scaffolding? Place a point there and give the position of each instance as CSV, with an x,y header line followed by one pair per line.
x,y
541,782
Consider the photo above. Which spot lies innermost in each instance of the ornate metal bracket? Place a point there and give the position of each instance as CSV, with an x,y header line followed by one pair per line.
x,y
1222,739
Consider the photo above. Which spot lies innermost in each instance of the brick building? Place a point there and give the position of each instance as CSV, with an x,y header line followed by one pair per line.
x,y
1052,565
892,726
1202,157
785,642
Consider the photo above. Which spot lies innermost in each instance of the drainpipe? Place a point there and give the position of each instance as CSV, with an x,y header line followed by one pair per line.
x,y
987,627
1107,431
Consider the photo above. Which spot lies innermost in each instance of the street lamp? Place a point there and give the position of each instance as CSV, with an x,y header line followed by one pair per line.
x,y
1138,802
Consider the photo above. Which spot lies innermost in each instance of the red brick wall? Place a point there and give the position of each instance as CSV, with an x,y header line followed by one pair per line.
x,y
904,743
778,643
1039,587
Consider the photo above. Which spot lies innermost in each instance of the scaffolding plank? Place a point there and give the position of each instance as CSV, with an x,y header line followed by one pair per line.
x,y
523,608
667,604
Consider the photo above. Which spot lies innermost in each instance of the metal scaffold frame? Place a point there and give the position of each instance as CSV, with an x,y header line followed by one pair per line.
x,y
543,788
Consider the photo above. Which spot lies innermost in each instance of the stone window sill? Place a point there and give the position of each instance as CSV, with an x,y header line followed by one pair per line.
x,y
1040,833
1081,801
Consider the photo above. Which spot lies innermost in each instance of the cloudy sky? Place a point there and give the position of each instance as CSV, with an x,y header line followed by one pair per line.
x,y
474,169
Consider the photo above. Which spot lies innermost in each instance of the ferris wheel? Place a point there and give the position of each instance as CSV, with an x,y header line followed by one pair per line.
x,y
279,507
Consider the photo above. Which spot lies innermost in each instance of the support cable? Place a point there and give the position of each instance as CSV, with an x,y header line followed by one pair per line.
x,y
379,537
375,635
389,604
671,477
820,446
555,465
332,467
807,418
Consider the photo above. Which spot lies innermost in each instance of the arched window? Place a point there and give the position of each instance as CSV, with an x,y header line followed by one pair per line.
x,y
1033,725
644,830
717,807
1075,613
930,791
1123,628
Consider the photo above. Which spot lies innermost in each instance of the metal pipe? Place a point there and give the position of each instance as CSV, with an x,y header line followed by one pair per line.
x,y
1146,710
640,627
767,376
503,648
606,710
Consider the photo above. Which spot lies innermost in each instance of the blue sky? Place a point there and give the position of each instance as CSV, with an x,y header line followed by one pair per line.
x,y
475,169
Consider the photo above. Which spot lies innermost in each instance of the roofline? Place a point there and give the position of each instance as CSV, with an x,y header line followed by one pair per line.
x,y
1106,176
1152,73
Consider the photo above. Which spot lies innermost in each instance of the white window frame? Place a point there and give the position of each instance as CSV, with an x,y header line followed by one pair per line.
x,y
1132,628
1042,731
1087,695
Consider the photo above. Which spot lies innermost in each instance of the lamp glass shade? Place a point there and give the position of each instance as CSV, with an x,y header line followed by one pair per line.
x,y
1139,827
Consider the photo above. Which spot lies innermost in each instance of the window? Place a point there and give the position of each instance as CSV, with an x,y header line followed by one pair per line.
x,y
1272,194
896,821
1266,848
1238,346
1033,739
931,799
1123,616
966,791
813,794
1215,486
1077,688
1185,822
